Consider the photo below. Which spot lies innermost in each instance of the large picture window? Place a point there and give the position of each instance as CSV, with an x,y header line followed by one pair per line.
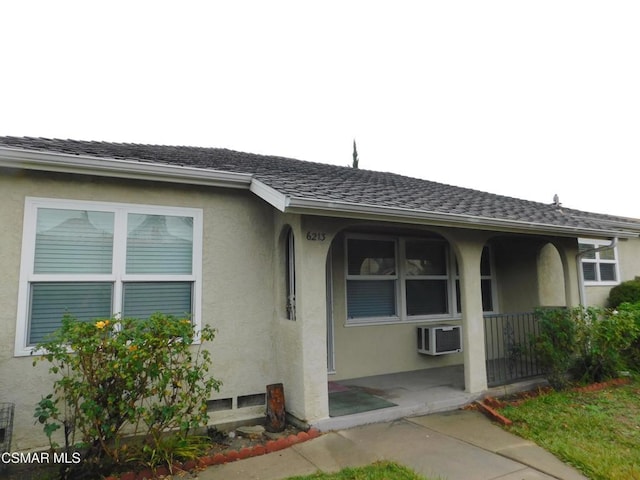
x,y
395,279
96,260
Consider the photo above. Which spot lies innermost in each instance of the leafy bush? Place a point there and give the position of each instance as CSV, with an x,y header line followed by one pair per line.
x,y
626,292
631,355
117,378
554,345
602,337
590,343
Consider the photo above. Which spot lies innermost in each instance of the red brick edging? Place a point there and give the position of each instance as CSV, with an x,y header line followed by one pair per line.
x,y
220,458
594,387
493,414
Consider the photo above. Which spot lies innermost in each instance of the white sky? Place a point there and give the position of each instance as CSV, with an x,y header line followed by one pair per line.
x,y
522,98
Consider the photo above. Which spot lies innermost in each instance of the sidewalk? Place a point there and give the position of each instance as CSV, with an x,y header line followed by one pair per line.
x,y
457,445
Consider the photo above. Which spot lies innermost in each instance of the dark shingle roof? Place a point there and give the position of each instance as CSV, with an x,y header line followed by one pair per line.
x,y
321,182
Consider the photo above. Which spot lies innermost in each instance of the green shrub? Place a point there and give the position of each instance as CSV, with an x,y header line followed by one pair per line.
x,y
602,337
554,345
591,344
121,378
626,292
631,355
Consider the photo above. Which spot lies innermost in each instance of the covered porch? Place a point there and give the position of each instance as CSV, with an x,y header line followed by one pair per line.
x,y
389,397
381,284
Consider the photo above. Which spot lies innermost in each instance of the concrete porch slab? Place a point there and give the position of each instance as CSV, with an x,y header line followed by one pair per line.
x,y
415,393
418,392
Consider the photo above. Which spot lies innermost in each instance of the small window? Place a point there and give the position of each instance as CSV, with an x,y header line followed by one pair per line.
x,y
426,277
371,257
371,278
599,267
290,274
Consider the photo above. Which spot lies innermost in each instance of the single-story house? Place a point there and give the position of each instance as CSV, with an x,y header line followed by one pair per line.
x,y
310,273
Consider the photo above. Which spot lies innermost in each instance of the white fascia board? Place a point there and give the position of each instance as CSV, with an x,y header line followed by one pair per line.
x,y
129,169
270,195
336,208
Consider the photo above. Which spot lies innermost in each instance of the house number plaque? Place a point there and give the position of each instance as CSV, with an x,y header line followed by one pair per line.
x,y
316,236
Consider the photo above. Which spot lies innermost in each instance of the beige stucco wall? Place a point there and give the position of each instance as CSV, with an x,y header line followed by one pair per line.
x,y
516,273
629,252
550,277
237,259
629,265
300,344
551,281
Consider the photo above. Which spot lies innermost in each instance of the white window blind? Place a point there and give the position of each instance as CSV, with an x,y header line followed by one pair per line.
x,y
140,300
159,244
371,299
371,278
73,241
51,301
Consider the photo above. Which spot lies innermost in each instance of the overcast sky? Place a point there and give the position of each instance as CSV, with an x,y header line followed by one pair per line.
x,y
526,99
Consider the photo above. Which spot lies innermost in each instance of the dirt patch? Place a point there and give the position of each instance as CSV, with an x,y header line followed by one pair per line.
x,y
244,437
229,446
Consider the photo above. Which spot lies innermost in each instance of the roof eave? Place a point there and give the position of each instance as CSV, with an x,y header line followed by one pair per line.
x,y
129,169
270,195
403,215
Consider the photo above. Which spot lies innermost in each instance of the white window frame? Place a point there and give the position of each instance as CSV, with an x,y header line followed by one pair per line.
x,y
396,278
118,275
492,278
290,274
404,277
401,277
597,261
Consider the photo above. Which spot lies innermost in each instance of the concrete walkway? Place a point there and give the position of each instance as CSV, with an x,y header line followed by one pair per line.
x,y
458,445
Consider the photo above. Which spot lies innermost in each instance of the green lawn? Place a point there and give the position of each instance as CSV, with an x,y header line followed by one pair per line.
x,y
597,432
377,471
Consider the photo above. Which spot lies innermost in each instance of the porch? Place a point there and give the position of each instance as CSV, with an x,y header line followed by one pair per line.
x,y
405,394
510,368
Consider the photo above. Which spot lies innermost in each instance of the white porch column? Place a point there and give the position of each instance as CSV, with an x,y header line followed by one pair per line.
x,y
311,315
568,250
468,248
302,343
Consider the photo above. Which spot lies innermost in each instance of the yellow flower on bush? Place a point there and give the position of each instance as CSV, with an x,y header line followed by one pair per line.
x,y
101,324
133,348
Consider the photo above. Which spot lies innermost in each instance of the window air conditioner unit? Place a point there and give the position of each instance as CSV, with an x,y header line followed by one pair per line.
x,y
439,339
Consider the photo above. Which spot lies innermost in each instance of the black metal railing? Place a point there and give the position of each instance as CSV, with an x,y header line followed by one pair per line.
x,y
509,355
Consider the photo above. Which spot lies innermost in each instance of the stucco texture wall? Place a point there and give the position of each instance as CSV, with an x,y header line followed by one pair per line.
x,y
237,293
629,267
